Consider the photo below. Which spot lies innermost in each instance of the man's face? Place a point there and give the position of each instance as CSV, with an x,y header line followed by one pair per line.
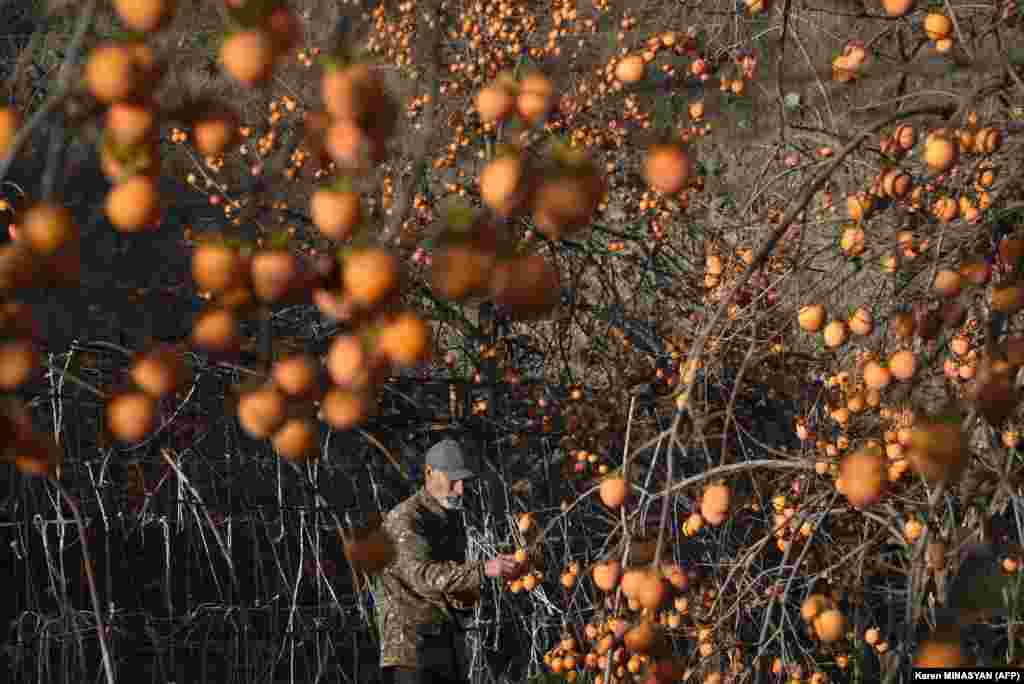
x,y
448,492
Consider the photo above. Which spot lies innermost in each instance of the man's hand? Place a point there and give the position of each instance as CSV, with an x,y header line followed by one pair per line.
x,y
504,566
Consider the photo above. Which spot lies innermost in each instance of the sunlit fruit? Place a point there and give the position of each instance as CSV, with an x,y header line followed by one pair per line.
x,y
861,322
134,204
248,57
897,8
812,317
940,153
667,168
937,26
613,491
813,606
714,505
864,476
404,339
902,364
835,334
131,415
606,575
630,69
296,439
111,72
335,213
830,626
876,376
46,227
947,283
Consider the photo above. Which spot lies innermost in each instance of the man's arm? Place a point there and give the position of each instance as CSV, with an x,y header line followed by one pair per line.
x,y
433,579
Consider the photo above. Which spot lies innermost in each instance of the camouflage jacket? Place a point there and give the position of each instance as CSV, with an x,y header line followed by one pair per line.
x,y
427,589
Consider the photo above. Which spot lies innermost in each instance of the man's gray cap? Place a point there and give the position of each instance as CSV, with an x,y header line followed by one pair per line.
x,y
448,457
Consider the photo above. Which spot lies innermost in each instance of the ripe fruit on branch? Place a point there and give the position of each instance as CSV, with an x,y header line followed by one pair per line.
x,y
630,69
714,505
863,475
940,153
613,492
667,168
897,8
938,26
606,575
830,626
812,317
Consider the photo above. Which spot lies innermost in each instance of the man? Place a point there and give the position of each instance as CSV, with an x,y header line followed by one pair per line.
x,y
429,585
